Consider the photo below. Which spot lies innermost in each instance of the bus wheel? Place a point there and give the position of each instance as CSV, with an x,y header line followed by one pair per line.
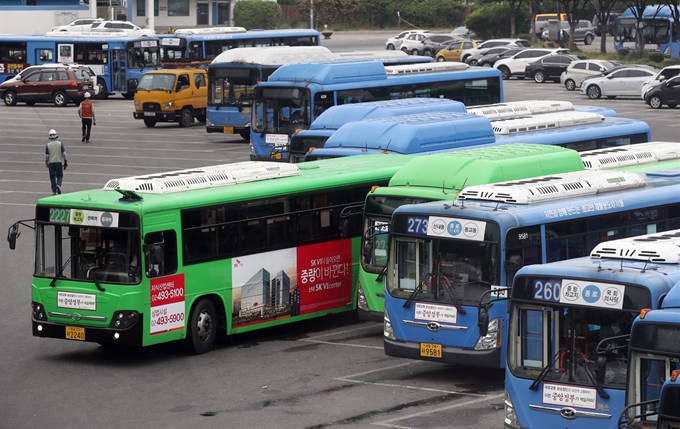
x,y
103,90
245,134
202,327
186,118
150,123
59,98
10,98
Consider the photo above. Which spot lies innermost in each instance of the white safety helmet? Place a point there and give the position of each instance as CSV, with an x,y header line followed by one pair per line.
x,y
52,134
87,95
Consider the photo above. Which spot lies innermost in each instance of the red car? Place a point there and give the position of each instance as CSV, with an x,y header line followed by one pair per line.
x,y
52,85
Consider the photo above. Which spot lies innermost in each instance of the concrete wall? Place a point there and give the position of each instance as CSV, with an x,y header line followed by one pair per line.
x,y
31,21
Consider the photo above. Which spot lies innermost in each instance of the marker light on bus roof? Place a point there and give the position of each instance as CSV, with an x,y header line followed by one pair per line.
x,y
662,247
545,121
210,30
205,177
520,108
621,156
426,68
554,187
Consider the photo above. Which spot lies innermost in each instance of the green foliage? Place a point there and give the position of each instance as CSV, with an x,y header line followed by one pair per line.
x,y
257,14
525,36
656,57
623,52
493,20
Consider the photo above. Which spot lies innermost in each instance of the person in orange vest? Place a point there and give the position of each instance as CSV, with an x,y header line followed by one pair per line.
x,y
86,113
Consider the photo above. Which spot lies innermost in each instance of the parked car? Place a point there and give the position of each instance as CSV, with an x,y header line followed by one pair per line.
x,y
516,65
463,32
550,67
80,24
413,43
492,43
490,58
86,69
126,26
576,71
617,68
58,85
474,59
667,93
625,81
394,42
453,50
610,24
434,43
665,74
584,32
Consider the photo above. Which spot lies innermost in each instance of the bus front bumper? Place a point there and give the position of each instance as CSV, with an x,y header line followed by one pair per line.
x,y
450,355
131,336
157,116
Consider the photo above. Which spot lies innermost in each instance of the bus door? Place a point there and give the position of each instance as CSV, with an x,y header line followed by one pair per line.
x,y
118,80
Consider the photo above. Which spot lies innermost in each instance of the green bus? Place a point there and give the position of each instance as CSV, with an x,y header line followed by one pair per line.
x,y
197,253
441,177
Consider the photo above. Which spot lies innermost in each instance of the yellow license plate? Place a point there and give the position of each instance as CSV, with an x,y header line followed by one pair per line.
x,y
75,333
228,130
431,350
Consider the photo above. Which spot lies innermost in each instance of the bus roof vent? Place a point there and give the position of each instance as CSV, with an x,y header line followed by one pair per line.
x,y
520,108
205,177
426,68
621,156
662,247
554,187
210,30
545,121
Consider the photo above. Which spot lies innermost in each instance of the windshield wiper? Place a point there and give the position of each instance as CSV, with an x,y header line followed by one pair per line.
x,y
415,292
94,278
546,369
591,377
61,271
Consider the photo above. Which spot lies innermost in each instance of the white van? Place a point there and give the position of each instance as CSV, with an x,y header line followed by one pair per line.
x,y
665,74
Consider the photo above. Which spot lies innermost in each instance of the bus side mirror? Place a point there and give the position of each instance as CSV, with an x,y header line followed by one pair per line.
x,y
483,322
12,234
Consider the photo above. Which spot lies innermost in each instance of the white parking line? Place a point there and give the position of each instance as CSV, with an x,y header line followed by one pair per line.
x,y
388,423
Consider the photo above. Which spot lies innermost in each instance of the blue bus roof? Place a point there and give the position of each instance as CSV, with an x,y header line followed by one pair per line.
x,y
370,136
408,134
336,116
242,35
66,38
651,11
661,187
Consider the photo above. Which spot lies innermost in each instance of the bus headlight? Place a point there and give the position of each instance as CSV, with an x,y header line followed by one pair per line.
x,y
124,319
252,149
511,421
388,332
493,337
38,311
361,298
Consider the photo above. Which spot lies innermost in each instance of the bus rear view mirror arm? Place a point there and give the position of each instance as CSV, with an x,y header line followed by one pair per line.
x,y
13,231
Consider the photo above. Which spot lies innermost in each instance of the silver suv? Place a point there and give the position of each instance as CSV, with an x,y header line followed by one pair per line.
x,y
584,31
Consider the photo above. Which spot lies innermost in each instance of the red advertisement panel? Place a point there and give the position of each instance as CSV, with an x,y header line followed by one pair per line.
x,y
324,275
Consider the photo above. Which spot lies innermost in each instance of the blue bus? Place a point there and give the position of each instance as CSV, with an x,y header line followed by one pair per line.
x,y
569,326
233,74
653,390
446,258
658,32
119,62
335,117
428,133
295,94
202,45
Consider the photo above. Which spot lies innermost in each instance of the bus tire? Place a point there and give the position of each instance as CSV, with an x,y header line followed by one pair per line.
x,y
150,123
570,84
655,102
202,327
186,117
60,99
10,98
245,134
103,90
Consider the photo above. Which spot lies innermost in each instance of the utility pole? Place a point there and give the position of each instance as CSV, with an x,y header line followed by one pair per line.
x,y
311,14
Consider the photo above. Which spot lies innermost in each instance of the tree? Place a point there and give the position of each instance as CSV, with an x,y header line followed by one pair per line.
x,y
673,5
257,14
602,9
574,10
638,8
491,20
514,6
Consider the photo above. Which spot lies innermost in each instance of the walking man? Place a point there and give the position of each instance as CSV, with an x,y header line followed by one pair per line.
x,y
86,113
55,156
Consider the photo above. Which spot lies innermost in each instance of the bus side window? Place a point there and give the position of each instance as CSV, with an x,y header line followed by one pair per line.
x,y
160,249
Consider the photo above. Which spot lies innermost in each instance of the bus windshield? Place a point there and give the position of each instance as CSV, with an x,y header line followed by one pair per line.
x,y
283,115
571,344
88,253
445,271
233,86
655,31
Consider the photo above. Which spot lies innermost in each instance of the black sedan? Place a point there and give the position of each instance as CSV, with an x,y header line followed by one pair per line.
x,y
490,59
550,67
667,93
474,59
